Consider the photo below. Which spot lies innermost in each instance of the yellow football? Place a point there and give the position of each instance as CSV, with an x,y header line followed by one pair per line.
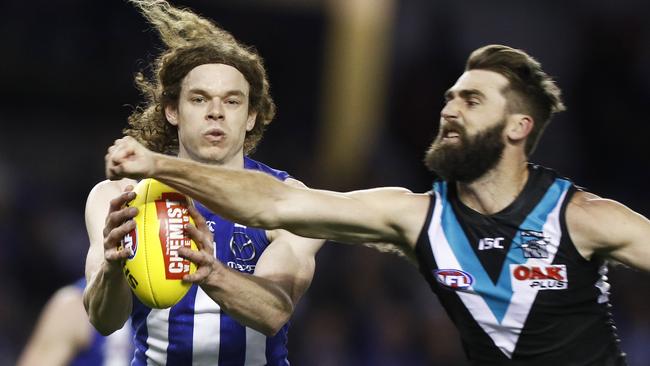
x,y
154,269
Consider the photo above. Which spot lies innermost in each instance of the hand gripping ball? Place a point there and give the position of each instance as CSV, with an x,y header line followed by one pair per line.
x,y
154,269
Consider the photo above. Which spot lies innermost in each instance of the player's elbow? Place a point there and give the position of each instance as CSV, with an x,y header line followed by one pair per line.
x,y
276,323
102,327
269,218
275,320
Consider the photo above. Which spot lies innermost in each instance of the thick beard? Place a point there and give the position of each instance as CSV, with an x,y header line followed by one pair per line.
x,y
470,158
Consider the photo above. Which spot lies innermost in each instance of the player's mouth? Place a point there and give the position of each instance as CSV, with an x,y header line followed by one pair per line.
x,y
449,135
214,134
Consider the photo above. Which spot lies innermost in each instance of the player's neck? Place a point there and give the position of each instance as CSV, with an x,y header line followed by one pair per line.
x,y
498,188
235,161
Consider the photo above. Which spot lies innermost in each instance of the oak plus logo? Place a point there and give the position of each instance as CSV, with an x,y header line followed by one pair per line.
x,y
543,277
490,243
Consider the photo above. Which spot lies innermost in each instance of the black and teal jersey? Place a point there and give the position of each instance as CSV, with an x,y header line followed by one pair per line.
x,y
513,282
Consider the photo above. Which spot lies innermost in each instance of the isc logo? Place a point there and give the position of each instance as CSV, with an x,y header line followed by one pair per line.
x,y
490,243
454,278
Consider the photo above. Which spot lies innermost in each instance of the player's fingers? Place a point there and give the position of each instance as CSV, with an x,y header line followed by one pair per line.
x,y
116,255
199,220
115,236
201,259
117,218
193,256
121,152
119,201
110,170
200,275
203,240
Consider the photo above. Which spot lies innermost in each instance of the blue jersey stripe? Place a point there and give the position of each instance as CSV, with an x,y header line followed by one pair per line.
x,y
139,322
232,350
276,348
497,296
181,328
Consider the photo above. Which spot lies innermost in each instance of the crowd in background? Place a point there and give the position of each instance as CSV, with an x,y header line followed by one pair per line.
x,y
67,87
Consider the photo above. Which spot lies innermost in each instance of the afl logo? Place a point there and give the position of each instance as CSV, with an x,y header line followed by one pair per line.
x,y
130,243
454,279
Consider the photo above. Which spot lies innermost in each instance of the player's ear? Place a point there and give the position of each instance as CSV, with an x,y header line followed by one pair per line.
x,y
171,113
519,126
250,122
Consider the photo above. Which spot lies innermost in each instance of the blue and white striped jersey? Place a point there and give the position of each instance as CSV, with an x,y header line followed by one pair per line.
x,y
195,331
513,282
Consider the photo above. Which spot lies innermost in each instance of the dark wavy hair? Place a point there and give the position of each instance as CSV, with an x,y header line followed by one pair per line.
x,y
192,41
530,90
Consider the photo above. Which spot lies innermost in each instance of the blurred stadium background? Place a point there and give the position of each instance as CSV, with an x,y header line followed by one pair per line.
x,y
359,87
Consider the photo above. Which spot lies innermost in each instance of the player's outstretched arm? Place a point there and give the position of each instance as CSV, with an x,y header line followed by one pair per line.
x,y
605,227
107,297
61,331
265,300
392,215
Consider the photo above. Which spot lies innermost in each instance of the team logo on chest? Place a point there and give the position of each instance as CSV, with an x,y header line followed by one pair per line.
x,y
534,244
454,279
242,249
241,246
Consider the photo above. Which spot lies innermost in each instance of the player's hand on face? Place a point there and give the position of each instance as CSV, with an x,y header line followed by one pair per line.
x,y
204,256
119,222
127,158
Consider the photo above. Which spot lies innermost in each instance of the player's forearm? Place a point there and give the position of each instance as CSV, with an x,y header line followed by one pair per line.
x,y
254,301
237,195
107,300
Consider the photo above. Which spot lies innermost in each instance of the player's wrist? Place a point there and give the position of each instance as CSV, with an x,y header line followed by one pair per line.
x,y
159,163
112,269
217,276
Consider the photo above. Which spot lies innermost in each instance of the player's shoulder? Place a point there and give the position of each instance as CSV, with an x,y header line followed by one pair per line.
x,y
590,216
252,164
585,204
110,188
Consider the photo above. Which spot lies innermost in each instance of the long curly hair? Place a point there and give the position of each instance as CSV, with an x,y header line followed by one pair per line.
x,y
191,41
